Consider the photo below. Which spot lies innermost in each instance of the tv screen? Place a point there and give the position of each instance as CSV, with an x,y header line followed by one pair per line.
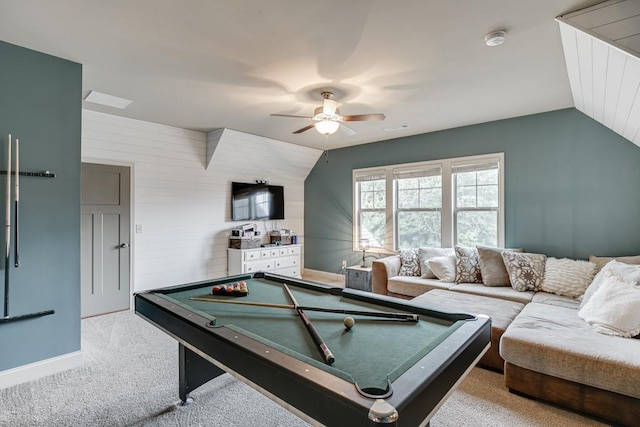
x,y
256,201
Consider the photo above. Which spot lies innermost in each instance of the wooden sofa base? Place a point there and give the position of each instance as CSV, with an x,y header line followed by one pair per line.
x,y
607,405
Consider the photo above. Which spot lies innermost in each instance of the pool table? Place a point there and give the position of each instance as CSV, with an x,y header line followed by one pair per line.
x,y
386,371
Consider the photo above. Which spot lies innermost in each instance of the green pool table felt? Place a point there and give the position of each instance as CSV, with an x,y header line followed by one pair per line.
x,y
372,353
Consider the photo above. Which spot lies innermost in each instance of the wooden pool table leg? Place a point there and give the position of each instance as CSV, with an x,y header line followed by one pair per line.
x,y
193,372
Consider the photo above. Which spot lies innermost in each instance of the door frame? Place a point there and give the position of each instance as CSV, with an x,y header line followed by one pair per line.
x,y
132,216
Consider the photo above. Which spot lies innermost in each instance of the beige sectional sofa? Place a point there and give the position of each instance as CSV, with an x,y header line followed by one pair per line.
x,y
544,348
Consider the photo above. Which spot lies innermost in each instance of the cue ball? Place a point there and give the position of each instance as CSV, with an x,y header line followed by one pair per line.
x,y
349,322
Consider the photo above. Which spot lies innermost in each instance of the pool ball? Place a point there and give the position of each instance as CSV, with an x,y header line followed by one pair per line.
x,y
349,322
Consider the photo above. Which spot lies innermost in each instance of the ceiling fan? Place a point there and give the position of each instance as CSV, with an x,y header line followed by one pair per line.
x,y
328,119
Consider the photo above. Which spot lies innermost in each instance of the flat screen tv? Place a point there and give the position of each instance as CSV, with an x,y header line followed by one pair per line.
x,y
251,202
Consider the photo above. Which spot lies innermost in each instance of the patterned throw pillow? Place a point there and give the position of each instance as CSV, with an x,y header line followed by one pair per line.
x,y
567,277
409,263
467,265
526,271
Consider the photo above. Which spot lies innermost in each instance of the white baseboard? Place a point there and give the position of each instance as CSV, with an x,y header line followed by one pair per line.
x,y
323,276
40,369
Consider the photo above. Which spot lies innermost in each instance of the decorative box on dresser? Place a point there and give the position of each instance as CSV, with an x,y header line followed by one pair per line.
x,y
284,260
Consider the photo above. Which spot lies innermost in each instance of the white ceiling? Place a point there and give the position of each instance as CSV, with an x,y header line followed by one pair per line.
x,y
208,64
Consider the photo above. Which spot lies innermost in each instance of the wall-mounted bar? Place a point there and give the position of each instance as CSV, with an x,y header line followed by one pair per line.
x,y
42,174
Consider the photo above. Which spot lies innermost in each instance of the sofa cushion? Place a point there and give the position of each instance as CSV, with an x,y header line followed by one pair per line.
x,y
492,268
425,254
554,341
526,270
467,265
443,267
567,277
502,292
553,299
413,286
501,312
601,261
614,309
409,263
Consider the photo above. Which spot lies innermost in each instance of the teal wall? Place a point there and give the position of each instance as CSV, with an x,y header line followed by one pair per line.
x,y
40,103
571,186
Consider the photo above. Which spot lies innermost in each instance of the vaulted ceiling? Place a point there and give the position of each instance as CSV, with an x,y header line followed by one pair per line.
x,y
602,50
212,64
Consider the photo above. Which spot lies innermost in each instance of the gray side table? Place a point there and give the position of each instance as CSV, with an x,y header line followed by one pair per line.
x,y
358,278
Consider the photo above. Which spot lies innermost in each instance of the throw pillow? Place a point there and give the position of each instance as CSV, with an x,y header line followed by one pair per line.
x,y
628,271
409,263
567,277
525,270
614,309
601,261
425,254
467,265
492,268
444,267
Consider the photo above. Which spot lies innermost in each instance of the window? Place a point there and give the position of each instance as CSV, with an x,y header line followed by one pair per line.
x,y
371,203
475,218
418,207
438,203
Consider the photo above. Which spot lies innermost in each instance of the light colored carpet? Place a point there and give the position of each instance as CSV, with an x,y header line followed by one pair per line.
x,y
130,378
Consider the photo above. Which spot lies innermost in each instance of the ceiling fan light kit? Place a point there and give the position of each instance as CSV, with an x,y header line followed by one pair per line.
x,y
327,127
328,118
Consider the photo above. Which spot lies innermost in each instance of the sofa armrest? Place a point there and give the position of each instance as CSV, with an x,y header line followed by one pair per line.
x,y
381,270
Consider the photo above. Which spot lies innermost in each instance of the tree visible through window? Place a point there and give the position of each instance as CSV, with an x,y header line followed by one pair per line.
x,y
372,205
476,204
418,207
437,203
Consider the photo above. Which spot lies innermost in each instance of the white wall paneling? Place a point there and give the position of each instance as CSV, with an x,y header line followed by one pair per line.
x,y
601,46
182,197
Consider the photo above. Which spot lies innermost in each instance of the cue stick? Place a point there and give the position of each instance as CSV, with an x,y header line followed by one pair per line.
x,y
16,230
405,317
326,353
7,232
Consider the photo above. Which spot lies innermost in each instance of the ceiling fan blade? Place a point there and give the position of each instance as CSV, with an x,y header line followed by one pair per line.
x,y
306,128
290,115
346,130
364,118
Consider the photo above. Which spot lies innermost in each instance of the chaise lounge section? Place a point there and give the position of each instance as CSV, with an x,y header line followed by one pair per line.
x,y
545,350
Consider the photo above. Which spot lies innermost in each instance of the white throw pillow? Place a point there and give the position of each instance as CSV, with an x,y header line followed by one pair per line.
x,y
567,277
444,267
614,309
628,271
425,254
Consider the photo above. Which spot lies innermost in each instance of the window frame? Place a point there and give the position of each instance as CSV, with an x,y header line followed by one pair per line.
x,y
447,166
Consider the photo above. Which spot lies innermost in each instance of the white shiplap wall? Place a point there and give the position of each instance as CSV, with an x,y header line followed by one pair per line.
x,y
601,46
183,205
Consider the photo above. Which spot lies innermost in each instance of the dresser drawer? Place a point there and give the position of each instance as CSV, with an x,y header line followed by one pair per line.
x,y
260,265
252,255
287,262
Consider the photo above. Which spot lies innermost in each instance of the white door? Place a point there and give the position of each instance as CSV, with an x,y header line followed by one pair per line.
x,y
104,247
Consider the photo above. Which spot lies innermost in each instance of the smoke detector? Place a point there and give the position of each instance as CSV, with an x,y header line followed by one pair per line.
x,y
495,38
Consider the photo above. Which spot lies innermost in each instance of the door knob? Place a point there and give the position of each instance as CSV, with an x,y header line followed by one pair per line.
x,y
124,245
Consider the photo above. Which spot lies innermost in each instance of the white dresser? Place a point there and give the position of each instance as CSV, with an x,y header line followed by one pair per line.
x,y
284,260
